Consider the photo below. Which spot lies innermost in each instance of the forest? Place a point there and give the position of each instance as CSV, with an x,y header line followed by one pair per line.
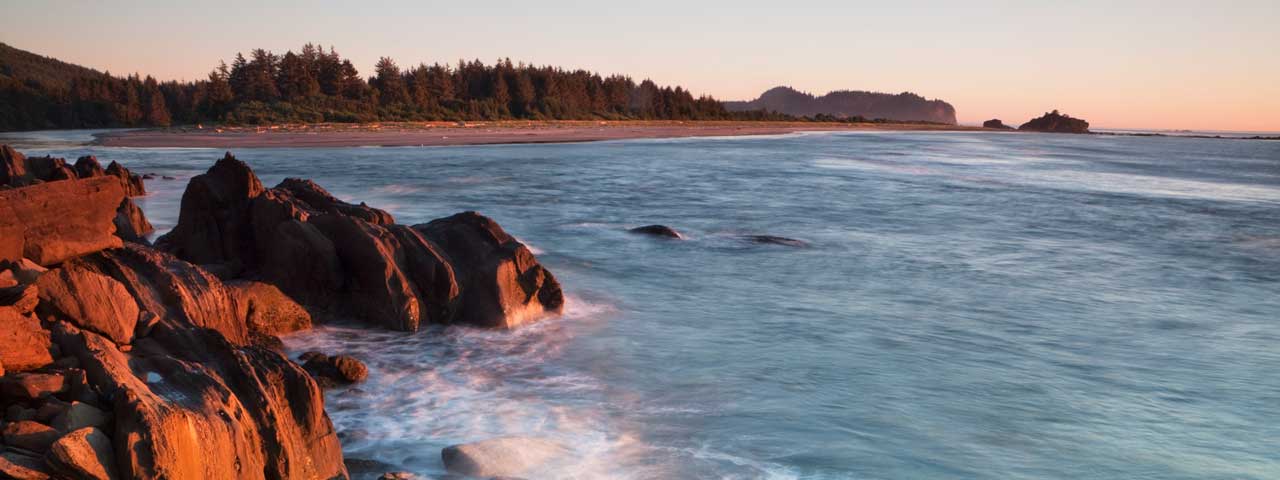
x,y
314,85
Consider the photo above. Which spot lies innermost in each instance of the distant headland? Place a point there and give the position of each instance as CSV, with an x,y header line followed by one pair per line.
x,y
904,106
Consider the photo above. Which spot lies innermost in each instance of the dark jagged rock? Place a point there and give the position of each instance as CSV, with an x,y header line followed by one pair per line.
x,y
394,275
775,240
995,123
50,169
13,168
88,167
30,435
502,284
313,198
213,220
131,224
132,184
1057,123
657,231
22,467
54,221
339,258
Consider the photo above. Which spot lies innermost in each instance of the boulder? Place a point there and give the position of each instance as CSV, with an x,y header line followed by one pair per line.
x,y
90,300
334,371
13,168
88,167
199,406
52,222
178,294
213,219
132,184
502,284
131,224
30,386
83,454
394,276
1057,123
16,466
79,415
996,124
24,344
657,231
268,311
503,456
50,169
22,298
30,435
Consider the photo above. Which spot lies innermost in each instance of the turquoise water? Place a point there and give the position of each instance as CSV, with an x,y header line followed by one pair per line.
x,y
969,305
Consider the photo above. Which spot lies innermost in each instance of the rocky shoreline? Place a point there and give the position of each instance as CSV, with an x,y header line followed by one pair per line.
x,y
122,359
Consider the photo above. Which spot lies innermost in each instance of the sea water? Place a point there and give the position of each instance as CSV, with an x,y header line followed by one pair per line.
x,y
966,305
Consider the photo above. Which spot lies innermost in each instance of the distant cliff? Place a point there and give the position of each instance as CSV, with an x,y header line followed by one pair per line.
x,y
1056,122
845,103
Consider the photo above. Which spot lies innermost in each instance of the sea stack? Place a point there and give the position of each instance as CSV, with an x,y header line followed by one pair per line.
x,y
1056,123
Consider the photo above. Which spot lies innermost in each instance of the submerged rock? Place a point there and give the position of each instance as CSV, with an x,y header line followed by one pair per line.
x,y
657,231
502,457
775,240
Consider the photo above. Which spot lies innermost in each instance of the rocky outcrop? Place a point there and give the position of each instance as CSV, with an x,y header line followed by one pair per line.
x,y
995,123
1057,123
502,284
54,221
268,310
657,231
131,224
342,259
775,240
502,457
90,300
84,454
142,365
132,184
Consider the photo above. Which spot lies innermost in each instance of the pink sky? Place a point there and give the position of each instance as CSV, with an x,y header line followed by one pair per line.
x,y
1163,65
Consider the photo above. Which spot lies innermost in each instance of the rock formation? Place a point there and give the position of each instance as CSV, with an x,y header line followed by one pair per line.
x,y
996,124
342,259
1057,123
121,360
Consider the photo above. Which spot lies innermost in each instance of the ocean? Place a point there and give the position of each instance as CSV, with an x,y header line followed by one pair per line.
x,y
959,305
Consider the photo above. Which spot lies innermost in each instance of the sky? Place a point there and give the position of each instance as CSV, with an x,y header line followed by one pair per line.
x,y
1135,64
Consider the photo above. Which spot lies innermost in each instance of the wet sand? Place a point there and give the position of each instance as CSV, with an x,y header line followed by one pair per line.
x,y
476,133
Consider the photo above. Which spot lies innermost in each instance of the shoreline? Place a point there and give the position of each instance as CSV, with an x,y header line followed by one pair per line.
x,y
473,133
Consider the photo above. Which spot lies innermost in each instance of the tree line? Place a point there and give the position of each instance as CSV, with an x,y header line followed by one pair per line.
x,y
314,85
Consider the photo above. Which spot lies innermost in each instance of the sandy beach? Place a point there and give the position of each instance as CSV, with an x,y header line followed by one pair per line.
x,y
472,133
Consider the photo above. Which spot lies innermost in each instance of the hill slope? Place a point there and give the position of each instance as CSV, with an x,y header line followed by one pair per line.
x,y
846,103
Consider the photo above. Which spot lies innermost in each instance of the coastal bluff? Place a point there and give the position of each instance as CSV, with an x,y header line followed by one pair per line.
x,y
120,359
